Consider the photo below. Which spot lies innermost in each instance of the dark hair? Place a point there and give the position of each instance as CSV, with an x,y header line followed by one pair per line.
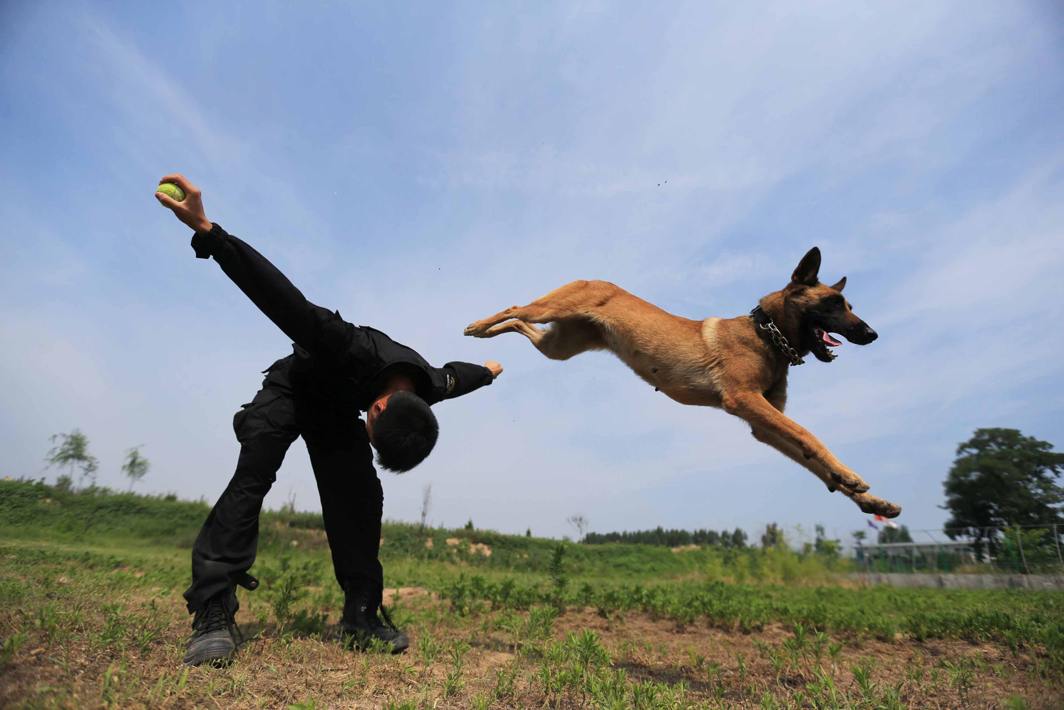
x,y
405,432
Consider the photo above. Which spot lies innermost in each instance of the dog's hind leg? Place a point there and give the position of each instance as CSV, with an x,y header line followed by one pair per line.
x,y
561,341
574,299
494,325
514,325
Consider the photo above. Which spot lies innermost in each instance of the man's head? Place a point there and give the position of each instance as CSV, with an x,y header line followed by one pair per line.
x,y
403,430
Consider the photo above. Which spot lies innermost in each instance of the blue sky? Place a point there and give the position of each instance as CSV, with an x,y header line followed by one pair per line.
x,y
482,154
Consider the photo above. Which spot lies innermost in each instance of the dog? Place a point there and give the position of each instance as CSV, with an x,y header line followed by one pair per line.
x,y
737,364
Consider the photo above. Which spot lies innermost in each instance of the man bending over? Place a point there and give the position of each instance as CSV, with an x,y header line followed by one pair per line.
x,y
336,371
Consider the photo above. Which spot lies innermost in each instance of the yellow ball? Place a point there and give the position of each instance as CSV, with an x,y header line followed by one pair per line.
x,y
172,191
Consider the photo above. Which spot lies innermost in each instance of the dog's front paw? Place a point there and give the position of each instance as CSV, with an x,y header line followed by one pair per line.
x,y
876,506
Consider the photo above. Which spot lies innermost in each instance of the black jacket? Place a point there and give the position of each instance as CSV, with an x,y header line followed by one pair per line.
x,y
341,365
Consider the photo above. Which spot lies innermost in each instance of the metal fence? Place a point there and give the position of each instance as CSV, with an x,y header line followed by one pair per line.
x,y
1020,549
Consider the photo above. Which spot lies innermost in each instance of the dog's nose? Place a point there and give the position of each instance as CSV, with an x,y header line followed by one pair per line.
x,y
870,334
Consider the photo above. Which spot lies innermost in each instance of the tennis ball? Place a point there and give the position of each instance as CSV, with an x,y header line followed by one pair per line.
x,y
172,191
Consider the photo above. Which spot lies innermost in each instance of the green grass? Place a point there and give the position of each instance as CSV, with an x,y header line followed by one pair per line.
x,y
91,613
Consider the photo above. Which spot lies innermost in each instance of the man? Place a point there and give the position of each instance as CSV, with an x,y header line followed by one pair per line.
x,y
336,371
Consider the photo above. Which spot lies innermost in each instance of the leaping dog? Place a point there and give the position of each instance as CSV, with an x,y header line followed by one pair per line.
x,y
738,364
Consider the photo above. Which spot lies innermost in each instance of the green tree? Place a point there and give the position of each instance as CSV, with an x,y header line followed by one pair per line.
x,y
71,451
1002,478
773,537
824,546
135,466
889,534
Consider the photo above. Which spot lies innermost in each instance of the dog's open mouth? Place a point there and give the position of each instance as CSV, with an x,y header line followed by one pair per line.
x,y
822,342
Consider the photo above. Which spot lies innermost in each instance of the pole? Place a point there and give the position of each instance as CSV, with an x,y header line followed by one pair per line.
x,y
1023,557
1056,539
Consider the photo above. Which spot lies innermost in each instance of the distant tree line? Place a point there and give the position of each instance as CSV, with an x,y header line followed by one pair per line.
x,y
70,452
671,538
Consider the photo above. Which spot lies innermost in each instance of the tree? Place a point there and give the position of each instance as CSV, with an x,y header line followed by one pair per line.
x,y
579,522
1001,478
824,546
71,451
136,466
738,538
426,503
772,537
888,534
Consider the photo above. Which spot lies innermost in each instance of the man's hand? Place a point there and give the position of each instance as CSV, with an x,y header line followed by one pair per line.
x,y
496,368
189,210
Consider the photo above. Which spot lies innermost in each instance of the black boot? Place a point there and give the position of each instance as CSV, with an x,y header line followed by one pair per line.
x,y
214,636
361,626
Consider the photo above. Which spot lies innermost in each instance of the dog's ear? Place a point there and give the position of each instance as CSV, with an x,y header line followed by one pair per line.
x,y
840,285
808,268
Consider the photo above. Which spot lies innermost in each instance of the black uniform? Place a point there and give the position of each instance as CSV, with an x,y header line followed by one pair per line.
x,y
336,370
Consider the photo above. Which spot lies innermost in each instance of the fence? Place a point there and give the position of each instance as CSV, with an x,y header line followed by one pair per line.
x,y
1020,549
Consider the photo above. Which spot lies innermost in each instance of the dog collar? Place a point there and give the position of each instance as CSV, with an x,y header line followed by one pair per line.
x,y
765,323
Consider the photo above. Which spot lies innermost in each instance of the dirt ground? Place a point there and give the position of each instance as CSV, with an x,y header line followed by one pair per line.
x,y
493,660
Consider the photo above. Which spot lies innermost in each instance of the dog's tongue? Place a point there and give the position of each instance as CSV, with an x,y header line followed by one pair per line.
x,y
826,337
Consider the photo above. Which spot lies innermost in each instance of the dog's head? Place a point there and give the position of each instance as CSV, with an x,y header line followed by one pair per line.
x,y
814,311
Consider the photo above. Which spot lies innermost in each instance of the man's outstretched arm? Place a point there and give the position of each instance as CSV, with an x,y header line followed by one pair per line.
x,y
464,377
319,331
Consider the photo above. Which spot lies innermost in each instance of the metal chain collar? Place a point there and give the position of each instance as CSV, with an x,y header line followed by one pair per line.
x,y
778,339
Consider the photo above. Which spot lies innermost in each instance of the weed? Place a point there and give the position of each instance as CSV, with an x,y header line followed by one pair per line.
x,y
540,623
505,682
47,621
961,675
10,647
862,675
453,683
114,627
428,648
110,690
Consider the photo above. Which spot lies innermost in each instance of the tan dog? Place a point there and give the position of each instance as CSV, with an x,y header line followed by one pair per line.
x,y
738,364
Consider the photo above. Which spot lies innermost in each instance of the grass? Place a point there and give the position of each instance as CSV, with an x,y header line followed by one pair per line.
x,y
91,614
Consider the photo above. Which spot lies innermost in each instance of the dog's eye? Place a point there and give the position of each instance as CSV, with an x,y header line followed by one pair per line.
x,y
835,302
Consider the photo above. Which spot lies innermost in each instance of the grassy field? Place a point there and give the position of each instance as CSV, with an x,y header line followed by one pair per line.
x,y
91,615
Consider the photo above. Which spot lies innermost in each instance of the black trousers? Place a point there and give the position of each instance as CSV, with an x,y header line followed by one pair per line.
x,y
351,495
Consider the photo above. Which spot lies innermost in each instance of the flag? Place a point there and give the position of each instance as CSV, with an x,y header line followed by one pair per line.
x,y
888,523
872,525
